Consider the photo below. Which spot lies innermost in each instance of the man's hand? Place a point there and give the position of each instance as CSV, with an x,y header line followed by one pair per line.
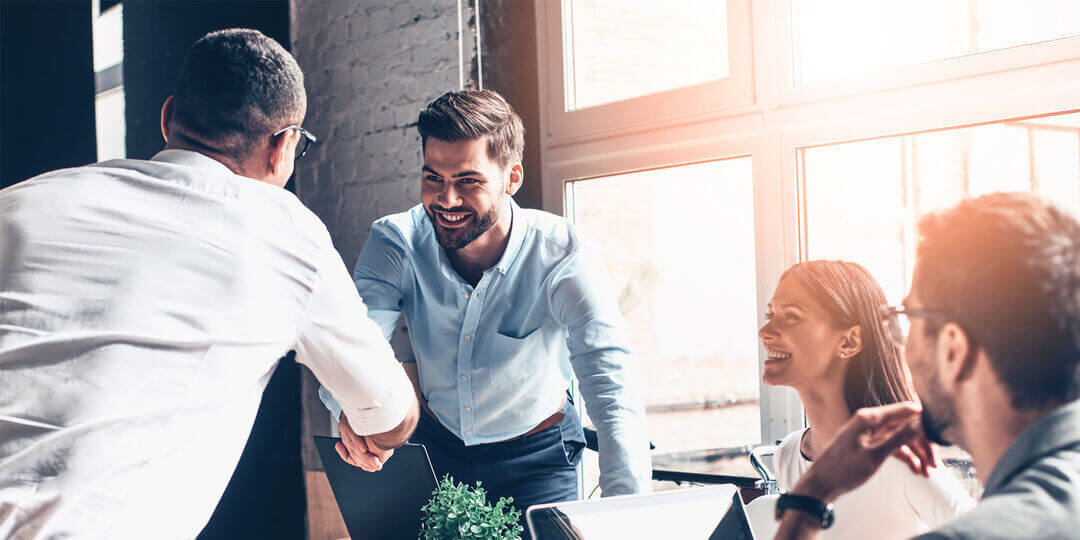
x,y
863,444
358,450
370,452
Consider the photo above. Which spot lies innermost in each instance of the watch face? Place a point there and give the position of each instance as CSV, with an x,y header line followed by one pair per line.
x,y
827,516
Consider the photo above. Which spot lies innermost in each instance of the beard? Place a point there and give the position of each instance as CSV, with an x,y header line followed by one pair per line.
x,y
455,239
934,428
938,413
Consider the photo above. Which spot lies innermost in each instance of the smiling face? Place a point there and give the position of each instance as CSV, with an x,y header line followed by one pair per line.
x,y
802,344
463,190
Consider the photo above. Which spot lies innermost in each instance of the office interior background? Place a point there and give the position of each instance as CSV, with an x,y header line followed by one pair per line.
x,y
706,145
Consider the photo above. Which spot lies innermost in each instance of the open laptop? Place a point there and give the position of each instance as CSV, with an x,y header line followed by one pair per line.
x,y
700,513
384,504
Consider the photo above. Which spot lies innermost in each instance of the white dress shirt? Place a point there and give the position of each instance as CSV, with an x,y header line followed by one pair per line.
x,y
143,308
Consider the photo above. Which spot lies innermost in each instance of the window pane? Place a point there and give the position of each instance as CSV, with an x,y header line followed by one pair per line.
x,y
687,289
111,132
837,38
108,28
864,198
630,48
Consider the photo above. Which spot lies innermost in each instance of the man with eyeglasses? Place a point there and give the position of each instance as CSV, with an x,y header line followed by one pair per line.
x,y
991,332
144,306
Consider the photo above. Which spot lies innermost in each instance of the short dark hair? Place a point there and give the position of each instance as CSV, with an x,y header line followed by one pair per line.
x,y
1006,268
236,87
470,114
876,375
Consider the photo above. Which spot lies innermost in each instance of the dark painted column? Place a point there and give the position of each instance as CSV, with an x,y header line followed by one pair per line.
x,y
508,45
265,498
157,35
47,99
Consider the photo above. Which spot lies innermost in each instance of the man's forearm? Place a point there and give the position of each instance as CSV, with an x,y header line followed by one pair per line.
x,y
618,413
797,525
401,433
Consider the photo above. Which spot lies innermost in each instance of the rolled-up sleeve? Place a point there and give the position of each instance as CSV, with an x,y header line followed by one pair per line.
x,y
600,353
350,356
379,273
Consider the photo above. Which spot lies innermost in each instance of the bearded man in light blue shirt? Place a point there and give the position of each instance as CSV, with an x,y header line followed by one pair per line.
x,y
503,307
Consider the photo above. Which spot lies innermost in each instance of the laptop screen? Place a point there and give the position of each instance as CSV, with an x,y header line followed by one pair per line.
x,y
699,513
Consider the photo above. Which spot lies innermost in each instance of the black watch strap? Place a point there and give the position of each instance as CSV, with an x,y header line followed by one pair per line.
x,y
808,505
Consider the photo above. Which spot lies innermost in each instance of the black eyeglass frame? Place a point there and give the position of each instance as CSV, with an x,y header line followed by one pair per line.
x,y
309,138
890,320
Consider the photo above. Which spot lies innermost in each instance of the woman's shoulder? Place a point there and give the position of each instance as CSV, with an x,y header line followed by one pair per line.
x,y
791,440
788,460
937,498
788,448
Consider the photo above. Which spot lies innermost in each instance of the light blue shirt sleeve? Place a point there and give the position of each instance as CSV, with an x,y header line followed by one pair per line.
x,y
600,354
378,276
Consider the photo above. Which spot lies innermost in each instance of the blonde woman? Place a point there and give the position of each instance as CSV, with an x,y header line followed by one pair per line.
x,y
824,338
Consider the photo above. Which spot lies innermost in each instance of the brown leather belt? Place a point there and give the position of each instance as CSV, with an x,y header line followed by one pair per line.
x,y
544,424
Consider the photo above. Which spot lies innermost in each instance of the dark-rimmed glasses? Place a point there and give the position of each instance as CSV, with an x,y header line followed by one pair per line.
x,y
304,143
896,321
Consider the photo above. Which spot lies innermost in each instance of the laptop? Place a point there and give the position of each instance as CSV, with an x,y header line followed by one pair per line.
x,y
384,504
710,513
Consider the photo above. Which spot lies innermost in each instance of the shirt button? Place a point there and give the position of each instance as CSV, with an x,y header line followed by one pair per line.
x,y
467,295
467,337
467,408
464,378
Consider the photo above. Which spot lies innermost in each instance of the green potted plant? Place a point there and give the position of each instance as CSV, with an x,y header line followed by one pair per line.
x,y
460,511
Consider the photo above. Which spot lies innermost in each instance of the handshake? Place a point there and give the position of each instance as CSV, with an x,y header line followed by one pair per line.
x,y
370,452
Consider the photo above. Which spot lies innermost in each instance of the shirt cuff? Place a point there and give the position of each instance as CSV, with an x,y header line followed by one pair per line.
x,y
374,420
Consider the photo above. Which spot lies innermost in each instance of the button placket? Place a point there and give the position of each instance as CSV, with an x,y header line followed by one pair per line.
x,y
473,310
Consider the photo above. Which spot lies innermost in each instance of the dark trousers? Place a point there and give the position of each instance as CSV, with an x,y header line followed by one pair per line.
x,y
535,469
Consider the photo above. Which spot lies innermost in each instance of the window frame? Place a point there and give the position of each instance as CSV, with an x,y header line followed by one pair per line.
x,y
910,75
780,119
667,108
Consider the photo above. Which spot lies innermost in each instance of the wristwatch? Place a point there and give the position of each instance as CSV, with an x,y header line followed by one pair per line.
x,y
808,505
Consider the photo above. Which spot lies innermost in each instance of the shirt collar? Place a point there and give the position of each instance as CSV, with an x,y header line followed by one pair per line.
x,y
1056,430
517,237
518,227
191,159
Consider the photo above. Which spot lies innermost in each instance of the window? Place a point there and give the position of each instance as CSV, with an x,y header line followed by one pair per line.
x,y
696,346
626,49
108,31
624,65
838,38
888,184
837,125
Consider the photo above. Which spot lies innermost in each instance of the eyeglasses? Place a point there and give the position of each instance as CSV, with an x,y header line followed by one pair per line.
x,y
301,146
897,322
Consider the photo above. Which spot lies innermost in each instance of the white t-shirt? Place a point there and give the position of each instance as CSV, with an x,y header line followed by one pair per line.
x,y
894,503
143,308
